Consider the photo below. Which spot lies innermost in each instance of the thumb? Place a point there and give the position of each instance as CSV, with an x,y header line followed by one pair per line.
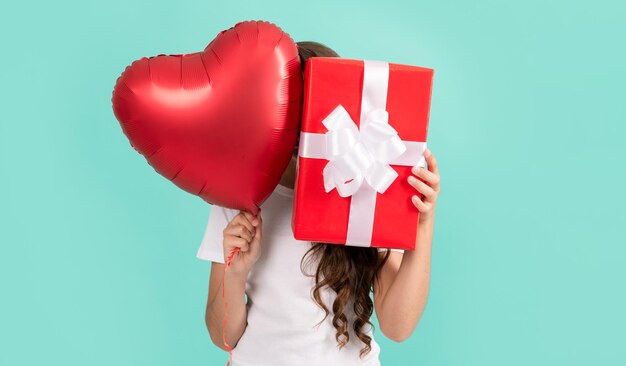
x,y
255,243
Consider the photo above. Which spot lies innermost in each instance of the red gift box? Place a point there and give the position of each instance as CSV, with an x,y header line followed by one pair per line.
x,y
363,123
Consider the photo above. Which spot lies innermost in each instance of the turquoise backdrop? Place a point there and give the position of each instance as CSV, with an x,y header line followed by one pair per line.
x,y
97,256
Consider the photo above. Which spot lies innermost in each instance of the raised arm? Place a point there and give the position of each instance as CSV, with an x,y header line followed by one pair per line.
x,y
401,293
244,232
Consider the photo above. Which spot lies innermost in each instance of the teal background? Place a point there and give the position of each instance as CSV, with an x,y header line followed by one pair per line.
x,y
97,256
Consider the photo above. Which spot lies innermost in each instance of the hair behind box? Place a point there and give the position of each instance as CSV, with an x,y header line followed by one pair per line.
x,y
308,49
347,270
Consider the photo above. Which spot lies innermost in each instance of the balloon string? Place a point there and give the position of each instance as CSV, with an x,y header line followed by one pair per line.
x,y
227,264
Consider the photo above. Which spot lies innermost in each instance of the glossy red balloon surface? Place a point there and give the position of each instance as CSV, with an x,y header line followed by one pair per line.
x,y
221,123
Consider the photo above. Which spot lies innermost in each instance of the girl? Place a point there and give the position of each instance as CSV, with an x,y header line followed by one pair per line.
x,y
309,303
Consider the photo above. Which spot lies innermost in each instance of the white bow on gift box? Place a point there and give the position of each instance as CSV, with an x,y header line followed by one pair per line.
x,y
360,159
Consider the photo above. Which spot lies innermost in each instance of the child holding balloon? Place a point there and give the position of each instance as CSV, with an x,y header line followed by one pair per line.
x,y
309,303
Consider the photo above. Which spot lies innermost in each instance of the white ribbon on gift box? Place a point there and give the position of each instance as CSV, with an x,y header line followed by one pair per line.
x,y
359,159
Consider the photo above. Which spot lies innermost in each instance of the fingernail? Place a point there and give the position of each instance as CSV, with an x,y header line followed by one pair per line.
x,y
427,153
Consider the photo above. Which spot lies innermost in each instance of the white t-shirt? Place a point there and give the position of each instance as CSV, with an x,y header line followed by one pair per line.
x,y
282,313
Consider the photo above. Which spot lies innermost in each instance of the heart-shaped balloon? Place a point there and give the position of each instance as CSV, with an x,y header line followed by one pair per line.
x,y
222,123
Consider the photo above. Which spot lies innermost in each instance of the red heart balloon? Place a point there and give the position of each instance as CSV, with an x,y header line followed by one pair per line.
x,y
221,123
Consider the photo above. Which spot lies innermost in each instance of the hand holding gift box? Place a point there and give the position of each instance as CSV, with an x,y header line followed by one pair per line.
x,y
364,126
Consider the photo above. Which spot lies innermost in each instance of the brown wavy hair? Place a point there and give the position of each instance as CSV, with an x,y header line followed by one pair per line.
x,y
347,270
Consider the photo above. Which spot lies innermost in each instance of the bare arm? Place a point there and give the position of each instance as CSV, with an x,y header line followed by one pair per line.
x,y
245,233
401,293
237,312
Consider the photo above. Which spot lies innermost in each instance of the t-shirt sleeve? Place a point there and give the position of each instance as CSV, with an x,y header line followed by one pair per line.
x,y
393,250
212,247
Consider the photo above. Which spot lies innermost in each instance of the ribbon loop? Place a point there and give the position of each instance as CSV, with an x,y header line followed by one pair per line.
x,y
360,155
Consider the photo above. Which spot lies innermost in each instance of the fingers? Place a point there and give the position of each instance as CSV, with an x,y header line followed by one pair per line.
x,y
244,218
431,161
250,217
238,233
422,187
431,178
255,244
431,186
241,231
259,229
231,242
426,182
421,205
